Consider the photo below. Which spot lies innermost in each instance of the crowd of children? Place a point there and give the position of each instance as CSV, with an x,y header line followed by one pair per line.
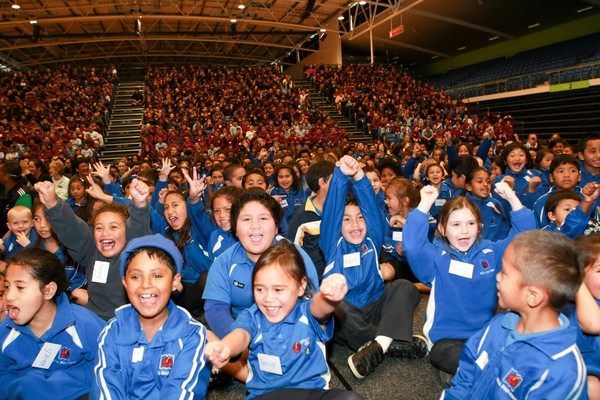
x,y
186,267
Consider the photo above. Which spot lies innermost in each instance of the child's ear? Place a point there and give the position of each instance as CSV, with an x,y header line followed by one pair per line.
x,y
536,296
441,229
49,290
551,216
302,288
176,282
468,186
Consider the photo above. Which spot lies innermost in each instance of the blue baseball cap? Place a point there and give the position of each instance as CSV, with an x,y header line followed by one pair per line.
x,y
158,241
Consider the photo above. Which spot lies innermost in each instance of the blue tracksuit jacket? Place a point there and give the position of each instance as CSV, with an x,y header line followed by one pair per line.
x,y
172,366
500,363
359,263
459,304
70,374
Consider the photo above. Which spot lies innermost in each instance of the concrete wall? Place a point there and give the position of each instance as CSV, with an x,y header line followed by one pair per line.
x,y
330,52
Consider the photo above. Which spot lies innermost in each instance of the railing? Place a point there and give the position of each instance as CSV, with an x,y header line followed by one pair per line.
x,y
576,73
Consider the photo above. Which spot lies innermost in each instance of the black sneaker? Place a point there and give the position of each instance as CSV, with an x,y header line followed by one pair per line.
x,y
218,380
416,349
364,361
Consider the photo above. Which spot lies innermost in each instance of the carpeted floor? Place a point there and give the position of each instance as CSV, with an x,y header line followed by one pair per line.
x,y
393,379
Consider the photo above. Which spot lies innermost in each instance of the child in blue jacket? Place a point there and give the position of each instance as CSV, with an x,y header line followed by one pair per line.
x,y
495,221
568,213
374,319
459,266
152,349
48,346
529,351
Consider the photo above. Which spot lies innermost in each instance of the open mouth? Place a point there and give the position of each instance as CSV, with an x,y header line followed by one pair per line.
x,y
107,244
272,311
256,237
148,299
12,312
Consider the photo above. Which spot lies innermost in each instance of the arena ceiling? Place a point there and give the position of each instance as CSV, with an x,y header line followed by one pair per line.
x,y
165,32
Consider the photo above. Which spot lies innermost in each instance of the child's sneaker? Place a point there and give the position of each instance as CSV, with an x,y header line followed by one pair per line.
x,y
364,361
416,349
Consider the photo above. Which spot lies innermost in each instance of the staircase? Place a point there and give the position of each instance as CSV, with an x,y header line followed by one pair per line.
x,y
355,134
122,137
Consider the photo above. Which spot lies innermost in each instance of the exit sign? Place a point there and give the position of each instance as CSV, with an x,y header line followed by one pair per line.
x,y
396,31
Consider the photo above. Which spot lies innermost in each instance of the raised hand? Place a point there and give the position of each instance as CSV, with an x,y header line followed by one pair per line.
x,y
46,193
196,184
334,287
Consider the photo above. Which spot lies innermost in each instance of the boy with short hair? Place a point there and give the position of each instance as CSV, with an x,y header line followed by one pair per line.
x,y
589,154
531,349
152,348
21,236
568,213
565,174
375,319
233,175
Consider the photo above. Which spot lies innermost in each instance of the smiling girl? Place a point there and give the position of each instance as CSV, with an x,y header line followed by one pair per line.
x,y
495,221
529,184
460,267
98,250
287,191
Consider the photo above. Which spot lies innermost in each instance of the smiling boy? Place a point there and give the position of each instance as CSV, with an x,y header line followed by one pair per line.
x,y
152,349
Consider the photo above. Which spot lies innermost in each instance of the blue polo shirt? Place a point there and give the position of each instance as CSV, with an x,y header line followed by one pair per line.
x,y
294,347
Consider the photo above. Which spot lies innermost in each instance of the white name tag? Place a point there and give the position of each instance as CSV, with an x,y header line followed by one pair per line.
x,y
46,355
283,203
397,236
351,260
461,269
269,363
100,274
138,354
482,360
440,202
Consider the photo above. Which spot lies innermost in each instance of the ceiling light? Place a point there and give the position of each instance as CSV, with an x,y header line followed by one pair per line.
x,y
341,17
434,57
233,21
16,7
241,6
584,9
362,3
533,25
493,38
322,30
33,22
461,48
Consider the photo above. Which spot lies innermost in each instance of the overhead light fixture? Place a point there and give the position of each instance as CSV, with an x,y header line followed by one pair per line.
x,y
461,48
434,57
584,9
322,30
533,25
362,3
341,17
33,22
16,7
241,6
233,21
493,38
